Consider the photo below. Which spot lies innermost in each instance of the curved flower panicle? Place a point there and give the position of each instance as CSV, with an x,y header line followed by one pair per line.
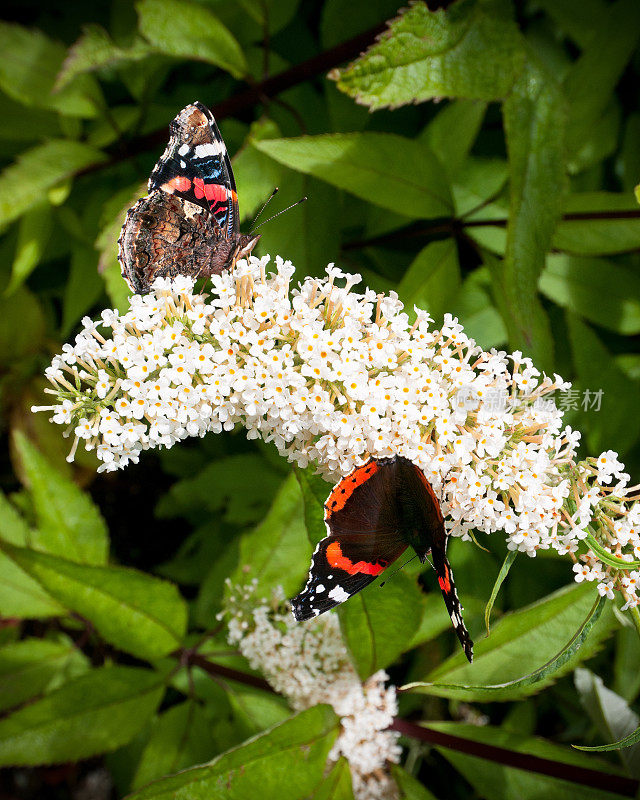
x,y
309,664
333,376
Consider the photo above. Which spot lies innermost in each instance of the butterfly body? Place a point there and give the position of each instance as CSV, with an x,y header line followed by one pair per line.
x,y
188,224
372,516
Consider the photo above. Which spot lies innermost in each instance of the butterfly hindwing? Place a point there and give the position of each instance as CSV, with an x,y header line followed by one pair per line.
x,y
196,167
448,588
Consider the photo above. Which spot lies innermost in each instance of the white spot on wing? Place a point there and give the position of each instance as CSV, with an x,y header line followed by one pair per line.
x,y
184,150
212,149
320,588
338,594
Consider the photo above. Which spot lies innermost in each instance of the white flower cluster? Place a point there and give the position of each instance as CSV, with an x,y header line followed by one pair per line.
x,y
309,664
332,377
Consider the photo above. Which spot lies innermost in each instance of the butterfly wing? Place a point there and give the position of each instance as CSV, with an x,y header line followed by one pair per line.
x,y
196,167
420,502
363,540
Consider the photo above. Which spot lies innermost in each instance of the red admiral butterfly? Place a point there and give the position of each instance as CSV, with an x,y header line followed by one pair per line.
x,y
189,222
372,516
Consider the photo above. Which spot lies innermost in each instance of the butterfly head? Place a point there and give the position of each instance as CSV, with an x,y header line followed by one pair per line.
x,y
244,246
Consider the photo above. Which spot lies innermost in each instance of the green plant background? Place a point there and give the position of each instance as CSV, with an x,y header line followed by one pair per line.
x,y
479,160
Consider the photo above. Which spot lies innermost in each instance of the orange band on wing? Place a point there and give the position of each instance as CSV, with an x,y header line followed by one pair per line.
x,y
343,491
338,561
445,583
177,184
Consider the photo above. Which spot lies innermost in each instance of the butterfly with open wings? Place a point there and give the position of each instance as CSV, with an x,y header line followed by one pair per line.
x,y
372,516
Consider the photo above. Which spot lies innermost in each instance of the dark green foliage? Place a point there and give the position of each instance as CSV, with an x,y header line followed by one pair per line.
x,y
509,204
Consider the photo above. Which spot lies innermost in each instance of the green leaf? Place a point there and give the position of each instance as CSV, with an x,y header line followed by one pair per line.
x,y
214,490
28,70
452,132
579,19
593,77
410,788
476,311
534,122
494,781
390,171
180,738
188,30
24,183
610,713
92,714
616,419
95,50
628,741
33,235
33,666
504,571
277,552
286,762
337,784
432,279
471,50
379,623
605,293
600,233
69,523
552,633
21,596
82,289
13,526
315,491
136,612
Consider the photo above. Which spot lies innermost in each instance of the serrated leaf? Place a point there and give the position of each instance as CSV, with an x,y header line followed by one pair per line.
x,y
136,612
504,571
180,738
277,552
96,50
92,714
30,667
495,781
628,741
33,235
555,633
28,69
597,289
471,50
610,713
315,491
390,171
432,279
286,762
189,30
379,623
24,183
69,523
534,119
611,224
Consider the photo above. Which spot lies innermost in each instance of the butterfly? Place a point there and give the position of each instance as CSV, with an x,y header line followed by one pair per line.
x,y
372,516
188,224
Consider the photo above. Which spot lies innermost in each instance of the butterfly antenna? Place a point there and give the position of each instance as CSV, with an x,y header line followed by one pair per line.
x,y
264,205
288,208
415,555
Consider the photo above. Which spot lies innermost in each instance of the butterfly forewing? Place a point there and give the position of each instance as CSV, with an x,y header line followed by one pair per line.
x,y
196,167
